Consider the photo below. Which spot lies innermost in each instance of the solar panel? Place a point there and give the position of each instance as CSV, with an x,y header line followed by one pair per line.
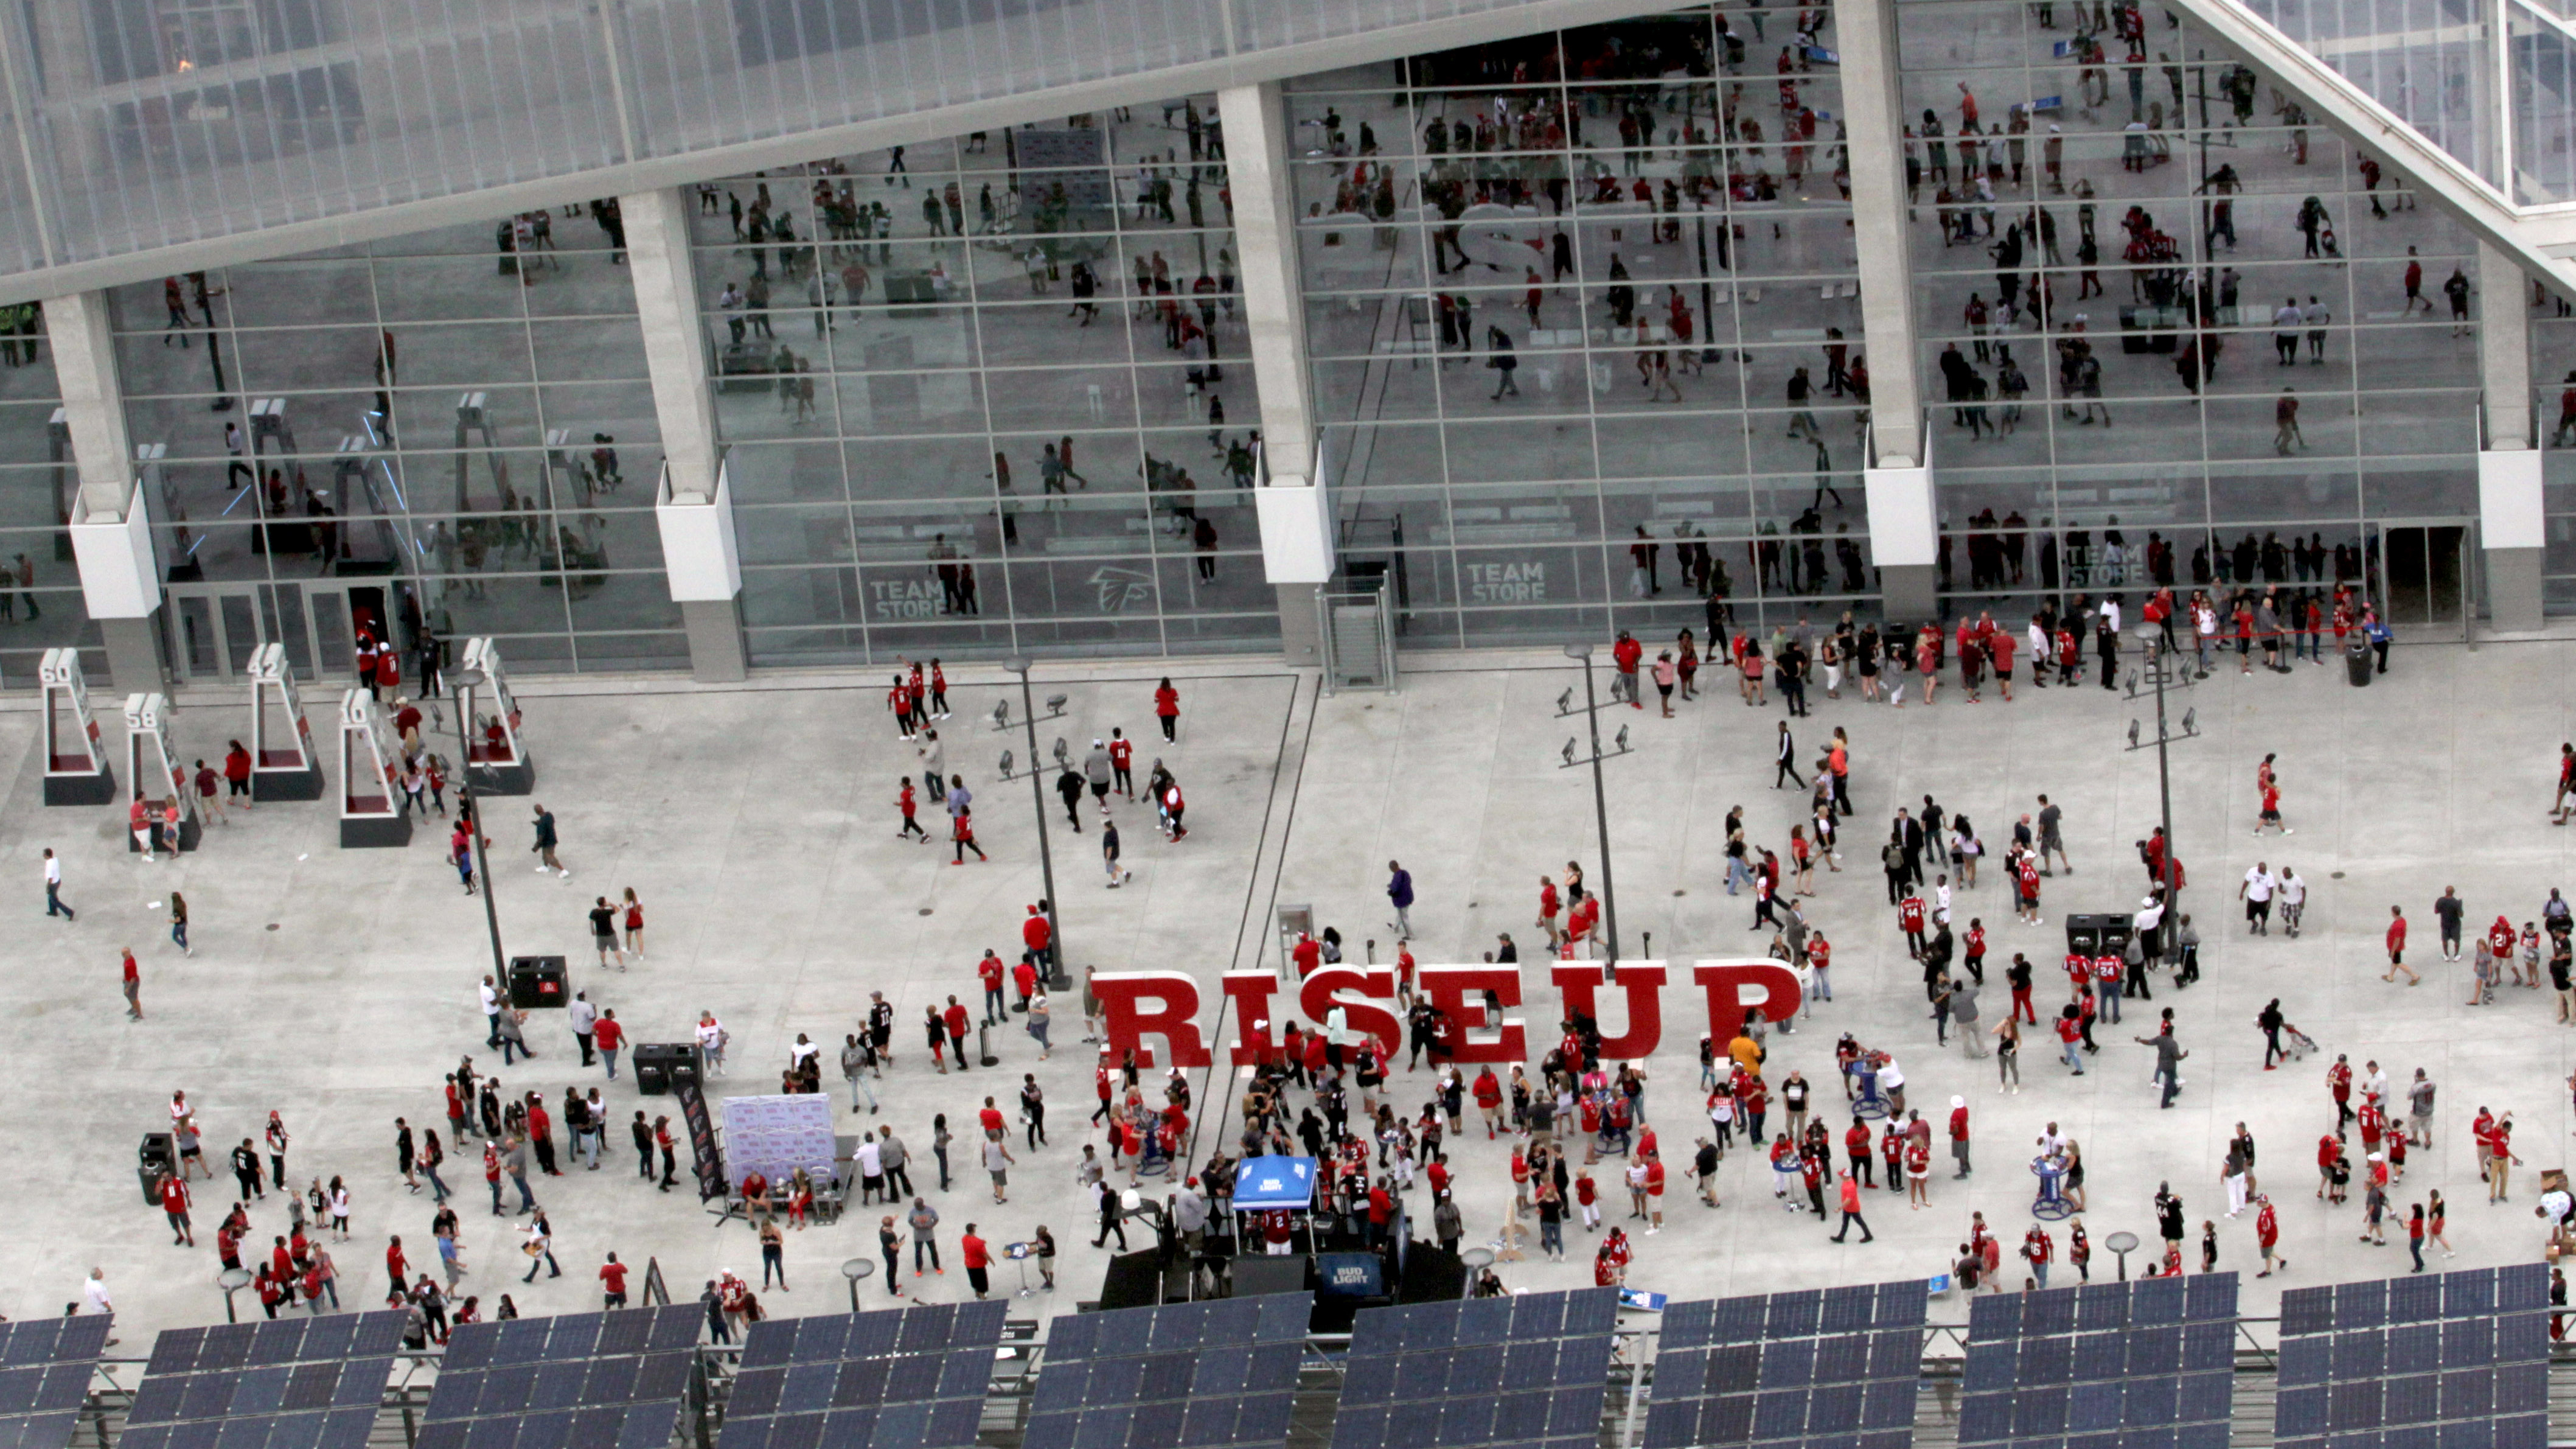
x,y
915,1377
45,1368
1527,1370
2417,1362
2139,1365
1182,1376
610,1380
1831,1367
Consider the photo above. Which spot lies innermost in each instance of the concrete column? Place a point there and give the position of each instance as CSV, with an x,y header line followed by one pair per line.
x,y
111,532
1903,513
693,506
1296,555
2510,525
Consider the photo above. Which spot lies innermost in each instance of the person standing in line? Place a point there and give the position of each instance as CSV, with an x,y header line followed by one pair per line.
x,y
545,845
1399,891
133,987
179,923
1167,710
54,888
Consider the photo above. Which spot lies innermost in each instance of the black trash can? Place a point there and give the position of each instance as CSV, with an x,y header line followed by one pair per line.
x,y
157,1157
2356,661
537,982
660,1066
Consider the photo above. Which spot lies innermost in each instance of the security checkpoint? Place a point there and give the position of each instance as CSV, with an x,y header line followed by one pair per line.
x,y
371,813
499,764
76,768
282,763
148,762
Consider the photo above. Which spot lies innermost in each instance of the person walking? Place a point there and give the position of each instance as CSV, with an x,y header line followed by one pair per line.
x,y
133,987
179,923
2169,1055
1399,891
546,842
2448,913
2270,1021
1849,1188
1167,710
54,888
2396,942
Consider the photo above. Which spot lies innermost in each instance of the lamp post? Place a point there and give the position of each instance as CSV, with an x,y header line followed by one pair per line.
x,y
464,681
1057,979
2168,926
1581,653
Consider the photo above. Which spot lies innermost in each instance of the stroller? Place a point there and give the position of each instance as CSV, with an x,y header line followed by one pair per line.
x,y
2298,1043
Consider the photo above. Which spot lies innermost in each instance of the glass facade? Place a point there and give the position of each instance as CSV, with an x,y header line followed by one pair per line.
x,y
2170,330
451,431
40,597
127,125
990,395
1585,326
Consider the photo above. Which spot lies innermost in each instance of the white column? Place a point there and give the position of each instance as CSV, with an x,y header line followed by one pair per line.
x,y
1295,504
2510,526
1903,512
111,531
692,506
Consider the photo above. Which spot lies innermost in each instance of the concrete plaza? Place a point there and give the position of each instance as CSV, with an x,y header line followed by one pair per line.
x,y
758,827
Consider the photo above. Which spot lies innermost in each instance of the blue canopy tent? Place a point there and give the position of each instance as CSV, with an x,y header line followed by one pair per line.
x,y
1277,1184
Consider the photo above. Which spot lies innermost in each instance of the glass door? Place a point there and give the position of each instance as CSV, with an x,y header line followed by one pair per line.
x,y
215,629
2423,581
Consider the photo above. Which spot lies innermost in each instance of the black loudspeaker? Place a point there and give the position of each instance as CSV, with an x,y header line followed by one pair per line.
x,y
537,982
662,1065
2084,935
1432,1274
1134,1280
1261,1273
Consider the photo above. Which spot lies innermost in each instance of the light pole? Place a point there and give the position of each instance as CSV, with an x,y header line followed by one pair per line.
x,y
1581,653
464,681
1057,980
2167,925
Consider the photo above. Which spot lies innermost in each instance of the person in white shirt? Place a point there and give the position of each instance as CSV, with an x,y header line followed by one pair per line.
x,y
54,888
2256,892
2294,898
711,1041
585,1018
94,1292
2285,331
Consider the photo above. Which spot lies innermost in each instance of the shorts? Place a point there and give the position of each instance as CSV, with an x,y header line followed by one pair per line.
x,y
1099,789
240,787
2004,672
1001,1179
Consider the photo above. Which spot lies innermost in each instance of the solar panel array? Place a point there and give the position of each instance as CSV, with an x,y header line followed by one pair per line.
x,y
2437,1362
1215,1375
45,1367
913,1379
286,1383
1524,1371
581,1381
1836,1367
2143,1365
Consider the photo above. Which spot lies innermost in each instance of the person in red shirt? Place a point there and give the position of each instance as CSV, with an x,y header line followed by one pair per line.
x,y
1849,1191
2267,1235
1488,1092
133,976
237,774
1547,906
1308,954
1654,1190
612,1279
2397,948
1610,1264
1122,762
1625,654
2037,1248
397,1267
979,1261
2339,1086
899,704
174,1203
906,802
1024,980
955,1018
1959,1134
1891,1152
1909,918
2329,1152
2371,1123
1587,1196
938,691
1036,934
1856,1148
1167,709
1976,950
989,972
